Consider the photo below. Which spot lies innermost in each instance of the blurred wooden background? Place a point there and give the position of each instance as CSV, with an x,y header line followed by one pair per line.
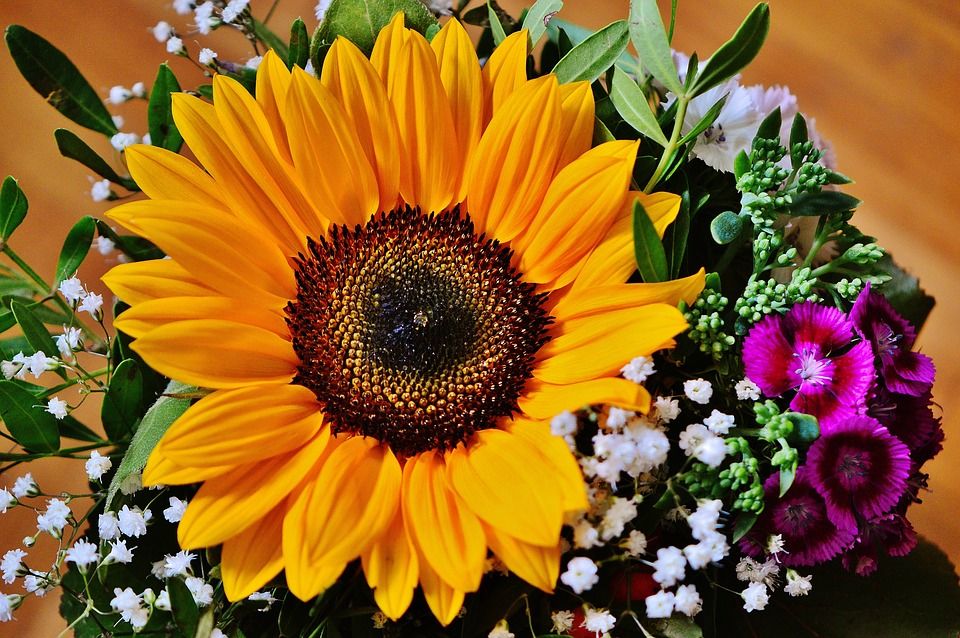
x,y
881,79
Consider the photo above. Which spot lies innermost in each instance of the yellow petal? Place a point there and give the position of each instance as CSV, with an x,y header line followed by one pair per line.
x,y
581,302
152,314
507,484
162,174
228,504
427,134
352,502
386,50
392,569
253,557
514,163
580,206
143,281
327,154
160,470
215,248
537,565
505,71
273,80
566,470
232,427
446,532
354,82
544,400
577,116
444,600
599,346
461,78
216,353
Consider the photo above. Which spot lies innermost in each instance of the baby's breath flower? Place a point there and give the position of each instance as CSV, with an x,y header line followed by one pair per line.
x,y
91,304
687,600
747,390
57,407
108,526
669,567
83,554
178,564
202,592
797,585
562,621
638,369
162,31
320,10
660,605
97,465
7,500
11,564
254,62
755,597
25,486
132,522
100,191
719,423
37,585
698,390
105,245
233,10
72,290
8,604
581,574
206,56
175,46
118,95
163,600
174,513
636,543
121,141
599,621
501,630
119,553
667,409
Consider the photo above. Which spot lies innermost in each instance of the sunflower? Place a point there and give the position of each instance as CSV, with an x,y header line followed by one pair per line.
x,y
391,278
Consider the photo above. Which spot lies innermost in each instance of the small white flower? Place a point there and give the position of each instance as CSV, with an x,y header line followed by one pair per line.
x,y
36,585
144,140
775,544
139,89
636,543
57,407
233,10
202,592
797,585
705,519
29,541
12,368
585,535
54,518
716,544
262,597
755,597
747,390
660,605
309,69
178,564
120,141
132,522
25,486
670,566
698,556
108,526
599,621
100,191
620,512
502,630
711,451
617,418
117,120
91,303
175,46
667,409
72,289
564,424
719,423
562,621
118,95
698,390
581,574
692,437
69,341
97,465
320,10
163,600
128,603
254,62
162,31
206,56
131,484
119,553
174,513
83,554
11,564
203,15
216,633
105,245
638,369
183,7
8,603
687,600
441,7
7,500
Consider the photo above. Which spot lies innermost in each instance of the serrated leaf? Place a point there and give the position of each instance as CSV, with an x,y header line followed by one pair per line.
x,y
13,207
361,20
184,608
822,203
75,248
705,122
121,403
163,130
33,428
726,227
56,78
737,52
588,60
35,332
537,18
158,418
633,106
72,147
649,253
650,40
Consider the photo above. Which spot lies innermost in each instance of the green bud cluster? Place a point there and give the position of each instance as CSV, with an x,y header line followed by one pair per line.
x,y
740,479
706,324
812,175
765,296
849,289
863,254
760,185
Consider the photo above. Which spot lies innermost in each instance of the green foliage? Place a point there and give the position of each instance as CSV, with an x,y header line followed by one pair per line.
x,y
299,51
361,20
650,40
163,130
121,409
633,106
647,248
33,329
13,207
271,39
72,147
707,324
55,78
589,59
496,27
535,22
33,428
726,227
737,52
75,248
184,609
904,293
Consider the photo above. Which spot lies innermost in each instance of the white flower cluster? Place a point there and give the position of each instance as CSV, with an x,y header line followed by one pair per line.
x,y
79,297
119,94
764,577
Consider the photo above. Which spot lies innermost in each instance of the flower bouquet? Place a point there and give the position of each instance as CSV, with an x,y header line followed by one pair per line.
x,y
441,321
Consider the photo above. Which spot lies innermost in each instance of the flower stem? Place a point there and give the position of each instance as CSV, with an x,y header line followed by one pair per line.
x,y
671,148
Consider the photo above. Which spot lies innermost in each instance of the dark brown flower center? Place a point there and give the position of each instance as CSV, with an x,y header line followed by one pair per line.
x,y
414,330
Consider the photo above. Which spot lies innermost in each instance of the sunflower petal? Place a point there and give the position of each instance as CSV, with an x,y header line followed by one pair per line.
x,y
537,565
142,281
566,471
160,470
273,81
577,113
232,427
582,302
507,484
505,71
253,557
149,315
392,569
162,174
544,400
444,600
386,50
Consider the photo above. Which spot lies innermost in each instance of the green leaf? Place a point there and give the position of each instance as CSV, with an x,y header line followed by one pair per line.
x,y
34,428
651,258
726,227
904,292
822,203
431,32
787,475
121,403
496,28
589,59
299,51
13,207
35,332
72,429
271,39
833,177
72,147
185,612
566,35
769,128
676,627
911,597
675,239
163,130
650,40
538,17
75,248
737,52
633,106
205,625
55,77
158,418
741,164
361,20
705,122
744,523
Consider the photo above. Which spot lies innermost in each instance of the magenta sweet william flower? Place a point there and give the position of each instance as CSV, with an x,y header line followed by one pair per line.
x,y
891,534
892,337
811,533
860,468
814,350
910,419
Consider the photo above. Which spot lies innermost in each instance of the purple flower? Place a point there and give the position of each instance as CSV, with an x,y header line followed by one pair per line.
x,y
812,349
811,534
891,534
860,468
892,338
911,420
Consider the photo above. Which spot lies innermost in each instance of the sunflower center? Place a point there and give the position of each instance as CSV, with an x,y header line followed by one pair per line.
x,y
414,330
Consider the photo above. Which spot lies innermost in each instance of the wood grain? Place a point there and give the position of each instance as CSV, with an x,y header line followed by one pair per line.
x,y
880,78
